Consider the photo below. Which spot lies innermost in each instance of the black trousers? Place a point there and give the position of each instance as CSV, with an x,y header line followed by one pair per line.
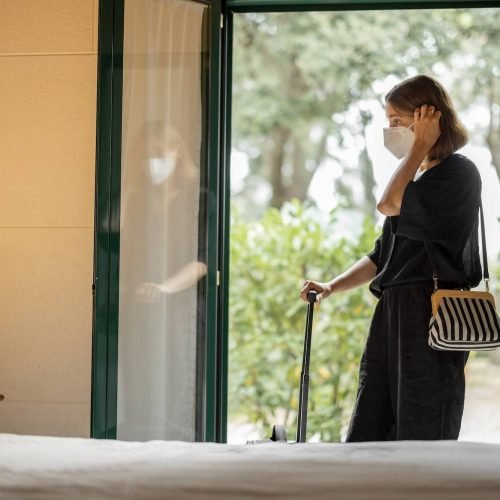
x,y
407,390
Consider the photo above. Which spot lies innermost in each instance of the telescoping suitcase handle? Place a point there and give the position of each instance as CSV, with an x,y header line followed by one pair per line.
x,y
304,375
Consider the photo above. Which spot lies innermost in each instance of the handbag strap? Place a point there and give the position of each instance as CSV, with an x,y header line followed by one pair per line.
x,y
486,274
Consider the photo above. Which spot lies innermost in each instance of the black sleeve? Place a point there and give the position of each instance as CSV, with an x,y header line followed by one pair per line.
x,y
374,255
441,205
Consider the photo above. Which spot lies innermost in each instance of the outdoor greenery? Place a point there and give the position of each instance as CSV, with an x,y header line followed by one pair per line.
x,y
297,76
271,258
304,85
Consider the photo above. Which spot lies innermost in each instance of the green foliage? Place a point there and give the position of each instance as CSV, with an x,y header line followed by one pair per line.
x,y
271,258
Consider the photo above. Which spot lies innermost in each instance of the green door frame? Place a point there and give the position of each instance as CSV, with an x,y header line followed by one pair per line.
x,y
107,229
239,6
106,232
107,198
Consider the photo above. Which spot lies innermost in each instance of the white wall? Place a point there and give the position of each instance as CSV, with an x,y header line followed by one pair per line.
x,y
48,57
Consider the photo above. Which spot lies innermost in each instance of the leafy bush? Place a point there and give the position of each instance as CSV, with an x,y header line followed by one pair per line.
x,y
270,259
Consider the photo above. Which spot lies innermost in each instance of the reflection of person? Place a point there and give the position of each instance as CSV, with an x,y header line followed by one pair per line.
x,y
172,169
406,389
159,270
185,277
170,174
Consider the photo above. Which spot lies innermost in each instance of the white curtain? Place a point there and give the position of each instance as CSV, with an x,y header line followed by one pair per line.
x,y
159,263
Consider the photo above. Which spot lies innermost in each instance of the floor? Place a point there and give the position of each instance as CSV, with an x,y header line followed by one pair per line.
x,y
481,419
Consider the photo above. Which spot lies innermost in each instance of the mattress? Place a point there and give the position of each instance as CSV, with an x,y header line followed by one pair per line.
x,y
35,467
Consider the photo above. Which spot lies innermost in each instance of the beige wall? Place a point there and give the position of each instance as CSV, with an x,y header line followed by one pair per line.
x,y
47,148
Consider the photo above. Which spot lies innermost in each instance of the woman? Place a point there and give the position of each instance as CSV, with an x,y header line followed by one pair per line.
x,y
406,389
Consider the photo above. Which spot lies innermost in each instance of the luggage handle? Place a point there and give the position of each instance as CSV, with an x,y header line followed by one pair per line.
x,y
304,375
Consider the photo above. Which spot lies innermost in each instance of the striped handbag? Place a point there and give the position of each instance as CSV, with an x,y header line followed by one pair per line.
x,y
464,320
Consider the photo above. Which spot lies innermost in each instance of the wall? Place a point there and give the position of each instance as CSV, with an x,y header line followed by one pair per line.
x,y
48,58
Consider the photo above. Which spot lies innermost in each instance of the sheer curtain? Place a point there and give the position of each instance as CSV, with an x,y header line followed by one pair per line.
x,y
159,226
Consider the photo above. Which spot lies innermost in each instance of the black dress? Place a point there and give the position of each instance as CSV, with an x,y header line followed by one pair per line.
x,y
406,389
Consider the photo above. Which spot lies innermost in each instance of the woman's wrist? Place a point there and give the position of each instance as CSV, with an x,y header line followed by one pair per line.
x,y
330,286
421,147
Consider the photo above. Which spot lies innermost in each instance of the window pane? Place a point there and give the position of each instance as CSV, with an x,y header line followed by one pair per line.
x,y
161,256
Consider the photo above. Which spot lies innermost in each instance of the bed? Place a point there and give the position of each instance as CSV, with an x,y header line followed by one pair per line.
x,y
35,467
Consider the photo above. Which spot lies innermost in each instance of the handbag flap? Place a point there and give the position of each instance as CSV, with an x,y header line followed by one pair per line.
x,y
463,294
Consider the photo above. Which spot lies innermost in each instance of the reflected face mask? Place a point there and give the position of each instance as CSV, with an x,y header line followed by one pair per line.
x,y
161,168
398,140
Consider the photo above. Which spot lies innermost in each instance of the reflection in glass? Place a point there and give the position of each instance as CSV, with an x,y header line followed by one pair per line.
x,y
160,262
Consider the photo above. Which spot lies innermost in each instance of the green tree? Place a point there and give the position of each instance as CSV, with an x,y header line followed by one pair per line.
x,y
476,35
297,74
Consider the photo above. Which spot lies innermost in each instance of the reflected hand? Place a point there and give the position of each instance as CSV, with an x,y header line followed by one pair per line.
x,y
323,289
150,292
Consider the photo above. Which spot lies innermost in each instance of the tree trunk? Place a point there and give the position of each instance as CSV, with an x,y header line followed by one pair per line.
x,y
276,159
369,206
301,176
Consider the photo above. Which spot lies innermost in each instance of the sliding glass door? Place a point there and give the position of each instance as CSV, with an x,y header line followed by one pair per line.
x,y
162,229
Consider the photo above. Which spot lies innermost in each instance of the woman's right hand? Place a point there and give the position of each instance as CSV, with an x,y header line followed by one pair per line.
x,y
323,290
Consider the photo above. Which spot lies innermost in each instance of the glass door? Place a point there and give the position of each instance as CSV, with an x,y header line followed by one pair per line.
x,y
308,164
163,228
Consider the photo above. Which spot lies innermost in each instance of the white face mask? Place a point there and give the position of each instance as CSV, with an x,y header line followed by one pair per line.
x,y
161,168
398,140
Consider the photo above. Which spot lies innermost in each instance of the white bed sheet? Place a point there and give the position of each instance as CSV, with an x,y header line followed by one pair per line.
x,y
34,467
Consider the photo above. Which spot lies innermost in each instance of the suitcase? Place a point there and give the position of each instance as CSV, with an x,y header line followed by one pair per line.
x,y
279,434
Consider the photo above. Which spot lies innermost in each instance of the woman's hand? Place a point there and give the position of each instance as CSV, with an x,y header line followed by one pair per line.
x,y
426,126
427,131
150,292
323,289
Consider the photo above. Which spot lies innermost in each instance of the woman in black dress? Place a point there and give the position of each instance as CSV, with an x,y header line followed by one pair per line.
x,y
406,389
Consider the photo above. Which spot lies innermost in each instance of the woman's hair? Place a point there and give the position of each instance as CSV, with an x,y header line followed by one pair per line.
x,y
421,89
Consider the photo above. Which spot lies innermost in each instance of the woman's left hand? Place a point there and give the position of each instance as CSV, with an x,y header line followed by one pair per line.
x,y
426,126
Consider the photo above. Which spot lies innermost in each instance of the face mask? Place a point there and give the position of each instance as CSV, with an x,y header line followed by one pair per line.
x,y
161,168
398,140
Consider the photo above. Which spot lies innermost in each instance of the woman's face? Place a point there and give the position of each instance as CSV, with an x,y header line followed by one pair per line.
x,y
397,118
